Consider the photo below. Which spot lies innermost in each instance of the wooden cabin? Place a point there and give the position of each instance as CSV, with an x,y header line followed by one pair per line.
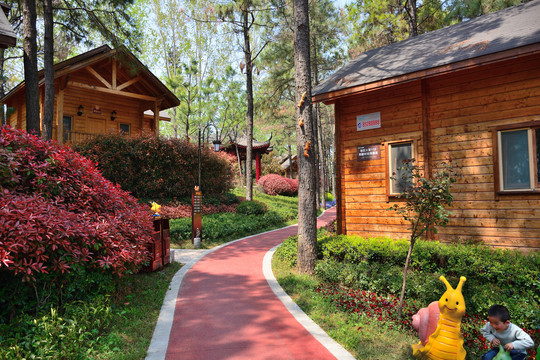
x,y
468,93
101,91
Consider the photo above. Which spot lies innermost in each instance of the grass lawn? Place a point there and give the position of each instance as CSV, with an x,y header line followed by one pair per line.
x,y
363,337
224,227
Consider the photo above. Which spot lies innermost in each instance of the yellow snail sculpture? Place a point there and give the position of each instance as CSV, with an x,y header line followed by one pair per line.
x,y
446,343
156,208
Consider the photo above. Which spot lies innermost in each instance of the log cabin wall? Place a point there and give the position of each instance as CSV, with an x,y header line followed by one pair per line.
x,y
449,117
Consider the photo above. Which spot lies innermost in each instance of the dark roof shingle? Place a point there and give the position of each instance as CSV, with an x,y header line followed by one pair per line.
x,y
503,30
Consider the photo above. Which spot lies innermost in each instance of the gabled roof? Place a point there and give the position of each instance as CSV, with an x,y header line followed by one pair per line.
x,y
132,65
8,38
511,28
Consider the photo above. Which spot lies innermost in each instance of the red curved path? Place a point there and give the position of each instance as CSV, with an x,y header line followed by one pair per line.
x,y
226,310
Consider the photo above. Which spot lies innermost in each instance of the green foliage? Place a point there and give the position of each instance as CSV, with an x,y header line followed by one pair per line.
x,y
328,196
158,168
251,208
222,227
493,276
71,335
118,324
426,198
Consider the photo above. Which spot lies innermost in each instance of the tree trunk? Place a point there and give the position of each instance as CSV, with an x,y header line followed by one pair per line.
x,y
30,66
290,162
305,142
249,116
321,155
413,20
405,269
48,105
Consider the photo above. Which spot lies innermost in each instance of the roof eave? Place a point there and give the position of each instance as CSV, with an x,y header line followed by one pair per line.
x,y
331,97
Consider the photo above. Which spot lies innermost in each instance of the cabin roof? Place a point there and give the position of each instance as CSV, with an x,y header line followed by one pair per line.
x,y
507,29
8,38
124,57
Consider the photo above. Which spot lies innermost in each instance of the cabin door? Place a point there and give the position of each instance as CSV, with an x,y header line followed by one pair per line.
x,y
95,125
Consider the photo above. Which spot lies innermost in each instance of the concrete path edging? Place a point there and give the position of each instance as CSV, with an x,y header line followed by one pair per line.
x,y
160,338
318,333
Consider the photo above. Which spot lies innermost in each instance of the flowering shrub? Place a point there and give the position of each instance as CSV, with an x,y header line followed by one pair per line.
x,y
60,217
158,168
361,275
384,309
278,185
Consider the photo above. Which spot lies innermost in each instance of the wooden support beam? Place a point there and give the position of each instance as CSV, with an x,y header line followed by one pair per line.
x,y
156,118
111,91
60,116
99,77
114,74
128,83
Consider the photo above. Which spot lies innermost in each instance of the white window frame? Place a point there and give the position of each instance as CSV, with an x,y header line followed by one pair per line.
x,y
391,170
533,181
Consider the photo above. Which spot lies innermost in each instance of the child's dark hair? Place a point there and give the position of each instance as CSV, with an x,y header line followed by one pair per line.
x,y
500,312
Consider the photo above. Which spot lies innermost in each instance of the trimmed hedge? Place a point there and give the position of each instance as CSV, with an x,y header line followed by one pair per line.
x,y
251,208
493,276
158,168
273,184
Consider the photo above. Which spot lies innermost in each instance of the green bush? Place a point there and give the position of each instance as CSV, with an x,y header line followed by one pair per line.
x,y
70,335
156,168
251,208
493,276
328,196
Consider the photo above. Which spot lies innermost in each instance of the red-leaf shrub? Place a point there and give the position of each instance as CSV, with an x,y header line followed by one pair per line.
x,y
278,185
58,212
293,186
158,168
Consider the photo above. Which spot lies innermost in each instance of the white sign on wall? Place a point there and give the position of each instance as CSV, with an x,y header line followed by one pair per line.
x,y
368,121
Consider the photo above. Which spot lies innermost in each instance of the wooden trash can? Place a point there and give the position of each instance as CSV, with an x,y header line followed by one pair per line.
x,y
159,248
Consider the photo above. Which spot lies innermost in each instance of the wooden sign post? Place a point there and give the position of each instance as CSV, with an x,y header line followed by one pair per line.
x,y
196,215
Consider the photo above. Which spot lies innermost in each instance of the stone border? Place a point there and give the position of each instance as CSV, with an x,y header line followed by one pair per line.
x,y
160,339
318,333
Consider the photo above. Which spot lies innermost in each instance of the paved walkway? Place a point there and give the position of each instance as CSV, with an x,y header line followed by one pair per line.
x,y
229,306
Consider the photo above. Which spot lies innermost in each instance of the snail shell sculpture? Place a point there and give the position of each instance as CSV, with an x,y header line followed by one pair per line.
x,y
446,342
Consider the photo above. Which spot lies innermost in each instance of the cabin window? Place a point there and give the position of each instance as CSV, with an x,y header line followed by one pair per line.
x,y
125,129
398,153
67,121
519,159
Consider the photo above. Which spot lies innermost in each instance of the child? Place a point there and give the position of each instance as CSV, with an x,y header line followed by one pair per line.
x,y
499,330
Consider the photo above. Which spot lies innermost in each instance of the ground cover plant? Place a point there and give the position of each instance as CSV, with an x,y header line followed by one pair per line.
x,y
115,325
239,221
157,168
362,278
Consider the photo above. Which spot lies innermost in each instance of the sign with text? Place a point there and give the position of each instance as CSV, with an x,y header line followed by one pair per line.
x,y
369,152
196,215
368,121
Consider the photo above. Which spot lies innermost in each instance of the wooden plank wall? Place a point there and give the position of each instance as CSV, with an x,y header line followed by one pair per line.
x,y
461,108
128,111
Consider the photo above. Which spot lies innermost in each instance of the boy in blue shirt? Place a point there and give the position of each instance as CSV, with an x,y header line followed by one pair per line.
x,y
499,330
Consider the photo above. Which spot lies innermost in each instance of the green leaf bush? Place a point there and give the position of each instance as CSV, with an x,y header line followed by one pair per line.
x,y
157,168
493,276
251,208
